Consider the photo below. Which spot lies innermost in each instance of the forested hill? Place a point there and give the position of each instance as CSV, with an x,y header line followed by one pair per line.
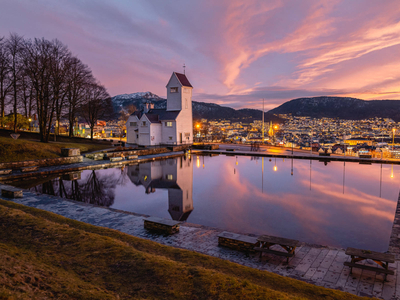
x,y
340,107
201,110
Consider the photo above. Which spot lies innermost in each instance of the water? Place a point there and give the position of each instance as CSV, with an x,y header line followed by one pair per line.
x,y
338,204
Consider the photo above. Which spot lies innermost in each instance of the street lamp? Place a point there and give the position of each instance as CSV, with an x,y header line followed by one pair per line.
x,y
394,130
30,124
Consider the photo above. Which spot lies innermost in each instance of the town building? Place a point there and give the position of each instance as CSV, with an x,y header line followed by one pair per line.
x,y
170,126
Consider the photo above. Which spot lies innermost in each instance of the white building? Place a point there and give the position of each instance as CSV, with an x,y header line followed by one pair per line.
x,y
173,125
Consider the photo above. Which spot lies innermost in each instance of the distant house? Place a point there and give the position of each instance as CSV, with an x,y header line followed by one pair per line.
x,y
173,125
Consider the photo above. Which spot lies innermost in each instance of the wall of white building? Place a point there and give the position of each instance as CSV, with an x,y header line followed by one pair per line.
x,y
131,134
185,117
168,133
144,135
155,134
174,99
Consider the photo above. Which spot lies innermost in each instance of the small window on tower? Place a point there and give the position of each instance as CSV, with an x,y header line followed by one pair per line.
x,y
186,106
174,90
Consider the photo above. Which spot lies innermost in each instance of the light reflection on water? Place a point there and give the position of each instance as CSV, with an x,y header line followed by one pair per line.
x,y
338,204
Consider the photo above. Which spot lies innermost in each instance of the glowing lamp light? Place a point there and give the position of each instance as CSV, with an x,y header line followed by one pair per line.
x,y
198,126
30,120
276,127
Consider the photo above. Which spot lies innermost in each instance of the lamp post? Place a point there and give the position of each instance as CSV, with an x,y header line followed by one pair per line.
x,y
30,124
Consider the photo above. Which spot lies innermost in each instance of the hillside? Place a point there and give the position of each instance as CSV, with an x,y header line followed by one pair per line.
x,y
201,110
340,107
46,256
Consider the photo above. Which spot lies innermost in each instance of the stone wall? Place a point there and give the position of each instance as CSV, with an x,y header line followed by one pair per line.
x,y
137,152
42,162
161,227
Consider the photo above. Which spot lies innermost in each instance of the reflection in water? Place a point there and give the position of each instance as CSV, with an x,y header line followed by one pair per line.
x,y
174,175
347,205
95,188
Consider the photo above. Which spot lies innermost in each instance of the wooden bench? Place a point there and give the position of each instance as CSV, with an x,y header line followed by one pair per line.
x,y
382,259
236,241
161,225
29,169
11,192
266,241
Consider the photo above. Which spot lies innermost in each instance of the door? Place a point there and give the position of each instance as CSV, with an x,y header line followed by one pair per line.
x,y
180,138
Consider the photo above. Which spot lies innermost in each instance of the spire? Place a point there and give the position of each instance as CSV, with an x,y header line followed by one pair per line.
x,y
184,68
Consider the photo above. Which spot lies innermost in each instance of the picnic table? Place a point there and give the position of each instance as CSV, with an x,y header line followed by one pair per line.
x,y
267,241
382,259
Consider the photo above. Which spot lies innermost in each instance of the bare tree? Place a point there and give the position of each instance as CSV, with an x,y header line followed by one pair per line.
x,y
26,96
78,77
38,68
15,47
97,105
60,64
5,82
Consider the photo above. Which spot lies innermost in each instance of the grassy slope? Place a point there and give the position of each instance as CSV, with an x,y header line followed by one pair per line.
x,y
43,255
18,150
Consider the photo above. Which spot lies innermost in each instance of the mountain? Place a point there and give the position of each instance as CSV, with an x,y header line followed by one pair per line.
x,y
201,110
340,107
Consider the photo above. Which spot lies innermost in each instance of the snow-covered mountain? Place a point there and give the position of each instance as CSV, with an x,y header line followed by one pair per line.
x,y
209,111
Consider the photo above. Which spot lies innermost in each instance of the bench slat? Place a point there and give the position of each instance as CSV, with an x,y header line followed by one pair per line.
x,y
370,268
278,240
273,252
386,257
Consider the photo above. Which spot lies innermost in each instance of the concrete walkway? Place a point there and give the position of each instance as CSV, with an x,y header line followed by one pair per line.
x,y
317,265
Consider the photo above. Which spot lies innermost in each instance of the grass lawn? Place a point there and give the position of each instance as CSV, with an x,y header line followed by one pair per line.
x,y
46,256
20,149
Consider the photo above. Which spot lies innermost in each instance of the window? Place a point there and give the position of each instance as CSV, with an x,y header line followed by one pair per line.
x,y
133,123
169,177
168,124
174,90
144,123
186,106
170,138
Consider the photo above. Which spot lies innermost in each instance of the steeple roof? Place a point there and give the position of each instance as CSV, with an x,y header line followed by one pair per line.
x,y
183,79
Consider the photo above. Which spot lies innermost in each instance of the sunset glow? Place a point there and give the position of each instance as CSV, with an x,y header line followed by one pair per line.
x,y
236,52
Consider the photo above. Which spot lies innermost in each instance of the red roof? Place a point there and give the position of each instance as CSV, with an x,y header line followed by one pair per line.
x,y
183,79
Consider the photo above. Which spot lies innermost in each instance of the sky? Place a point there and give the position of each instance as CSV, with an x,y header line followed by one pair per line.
x,y
236,52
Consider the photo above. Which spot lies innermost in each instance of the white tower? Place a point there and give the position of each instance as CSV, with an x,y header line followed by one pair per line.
x,y
179,98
